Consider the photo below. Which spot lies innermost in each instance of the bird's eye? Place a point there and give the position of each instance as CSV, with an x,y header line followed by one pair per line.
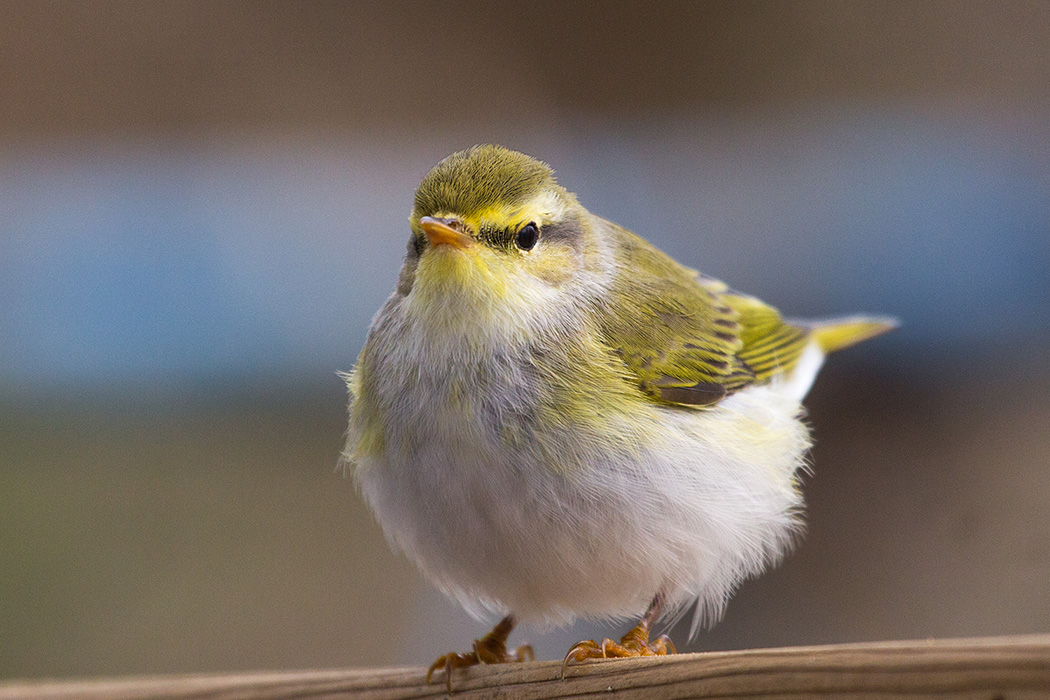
x,y
527,236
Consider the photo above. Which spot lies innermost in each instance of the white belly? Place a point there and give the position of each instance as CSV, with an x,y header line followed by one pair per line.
x,y
587,527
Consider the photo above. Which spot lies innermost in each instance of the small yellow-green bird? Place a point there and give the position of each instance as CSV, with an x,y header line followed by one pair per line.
x,y
554,419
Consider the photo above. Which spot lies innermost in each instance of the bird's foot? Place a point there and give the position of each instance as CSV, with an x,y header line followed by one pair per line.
x,y
634,643
490,649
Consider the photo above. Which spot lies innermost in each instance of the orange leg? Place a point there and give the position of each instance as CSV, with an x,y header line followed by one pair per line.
x,y
634,643
490,649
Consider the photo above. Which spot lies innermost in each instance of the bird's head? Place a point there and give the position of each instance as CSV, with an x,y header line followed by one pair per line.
x,y
495,235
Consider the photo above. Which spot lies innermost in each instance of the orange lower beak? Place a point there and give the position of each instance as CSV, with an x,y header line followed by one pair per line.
x,y
439,231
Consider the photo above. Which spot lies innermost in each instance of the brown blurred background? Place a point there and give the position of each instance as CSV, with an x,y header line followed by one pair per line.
x,y
202,204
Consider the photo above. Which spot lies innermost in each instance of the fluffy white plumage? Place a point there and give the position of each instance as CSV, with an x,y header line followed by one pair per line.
x,y
690,502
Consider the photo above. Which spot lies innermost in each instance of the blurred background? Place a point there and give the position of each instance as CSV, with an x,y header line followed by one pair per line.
x,y
203,203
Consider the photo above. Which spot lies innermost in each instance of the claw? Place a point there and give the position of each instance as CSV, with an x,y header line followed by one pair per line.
x,y
490,649
582,651
447,663
663,645
634,643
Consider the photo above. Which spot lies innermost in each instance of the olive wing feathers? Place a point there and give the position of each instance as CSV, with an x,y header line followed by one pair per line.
x,y
686,338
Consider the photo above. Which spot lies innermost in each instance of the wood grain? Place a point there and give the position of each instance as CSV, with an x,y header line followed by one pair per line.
x,y
999,668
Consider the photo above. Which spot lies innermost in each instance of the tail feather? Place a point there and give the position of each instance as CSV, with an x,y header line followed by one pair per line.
x,y
838,333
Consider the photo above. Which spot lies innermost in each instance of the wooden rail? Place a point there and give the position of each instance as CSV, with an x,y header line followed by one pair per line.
x,y
1001,668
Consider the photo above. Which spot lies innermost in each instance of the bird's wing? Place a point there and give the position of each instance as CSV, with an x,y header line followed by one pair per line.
x,y
686,338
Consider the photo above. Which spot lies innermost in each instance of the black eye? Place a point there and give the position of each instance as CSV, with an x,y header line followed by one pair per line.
x,y
527,236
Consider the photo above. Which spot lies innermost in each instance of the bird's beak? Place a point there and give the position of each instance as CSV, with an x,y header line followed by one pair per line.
x,y
439,231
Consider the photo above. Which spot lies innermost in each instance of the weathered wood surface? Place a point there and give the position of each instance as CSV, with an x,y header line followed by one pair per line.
x,y
1000,668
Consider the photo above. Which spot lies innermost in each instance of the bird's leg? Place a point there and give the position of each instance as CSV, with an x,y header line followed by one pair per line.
x,y
634,643
490,649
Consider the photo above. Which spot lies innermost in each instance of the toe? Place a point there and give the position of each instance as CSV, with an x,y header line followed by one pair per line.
x,y
522,653
449,662
580,652
662,646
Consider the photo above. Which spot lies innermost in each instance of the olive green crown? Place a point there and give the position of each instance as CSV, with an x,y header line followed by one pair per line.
x,y
469,182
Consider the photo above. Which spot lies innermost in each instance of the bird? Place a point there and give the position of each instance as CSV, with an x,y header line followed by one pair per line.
x,y
553,419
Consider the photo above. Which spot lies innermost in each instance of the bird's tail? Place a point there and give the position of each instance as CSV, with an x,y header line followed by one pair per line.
x,y
827,336
837,333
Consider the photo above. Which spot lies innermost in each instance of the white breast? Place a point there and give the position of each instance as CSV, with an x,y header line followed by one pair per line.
x,y
573,523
